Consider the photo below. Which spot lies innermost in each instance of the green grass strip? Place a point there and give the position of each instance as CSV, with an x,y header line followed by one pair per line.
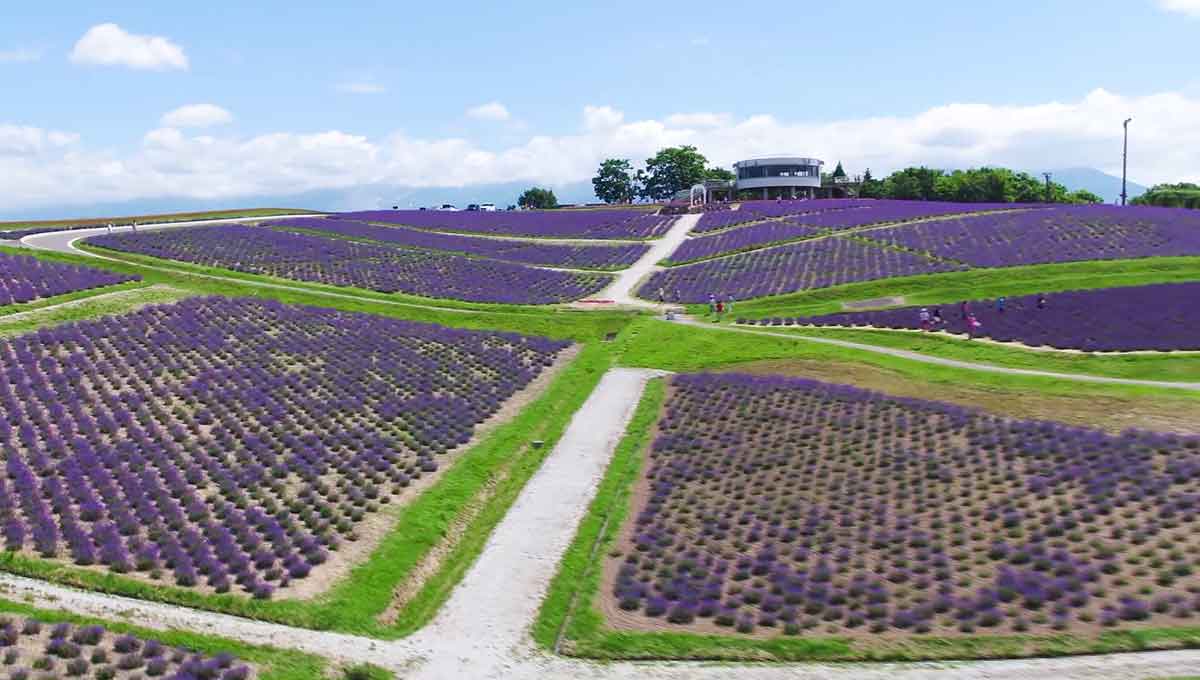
x,y
273,664
604,517
1158,366
103,302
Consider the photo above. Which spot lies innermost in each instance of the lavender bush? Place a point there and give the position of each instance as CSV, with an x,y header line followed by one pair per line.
x,y
789,268
589,224
757,211
572,256
24,278
732,241
224,444
1060,234
780,502
1161,317
61,653
363,265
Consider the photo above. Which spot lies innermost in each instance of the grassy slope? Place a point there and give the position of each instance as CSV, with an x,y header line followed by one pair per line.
x,y
155,219
1161,366
273,664
951,287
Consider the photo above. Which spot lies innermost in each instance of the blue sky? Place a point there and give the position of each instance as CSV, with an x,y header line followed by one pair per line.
x,y
413,93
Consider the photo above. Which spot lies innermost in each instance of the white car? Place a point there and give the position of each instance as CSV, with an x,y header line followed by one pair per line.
x,y
487,207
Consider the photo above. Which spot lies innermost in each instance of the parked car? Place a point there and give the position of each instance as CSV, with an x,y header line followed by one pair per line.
x,y
487,207
474,207
448,206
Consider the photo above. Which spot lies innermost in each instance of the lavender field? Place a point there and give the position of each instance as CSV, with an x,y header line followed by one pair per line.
x,y
1060,234
25,279
527,252
787,269
386,269
34,651
756,211
1162,317
744,238
220,444
584,224
777,505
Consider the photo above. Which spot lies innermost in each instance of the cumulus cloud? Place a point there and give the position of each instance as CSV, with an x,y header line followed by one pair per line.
x,y
489,111
1188,7
111,45
196,116
361,87
19,55
42,167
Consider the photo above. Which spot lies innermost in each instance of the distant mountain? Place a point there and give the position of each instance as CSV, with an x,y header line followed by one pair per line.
x,y
364,197
1100,183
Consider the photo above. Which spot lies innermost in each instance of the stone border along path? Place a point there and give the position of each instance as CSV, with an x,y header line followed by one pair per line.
x,y
940,361
483,630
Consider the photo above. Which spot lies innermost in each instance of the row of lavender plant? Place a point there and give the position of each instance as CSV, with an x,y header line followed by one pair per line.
x,y
223,443
783,503
787,269
757,211
575,256
584,224
24,278
1162,317
32,649
751,237
1061,234
386,269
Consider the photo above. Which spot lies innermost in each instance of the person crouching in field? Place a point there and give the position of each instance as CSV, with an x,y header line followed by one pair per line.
x,y
973,326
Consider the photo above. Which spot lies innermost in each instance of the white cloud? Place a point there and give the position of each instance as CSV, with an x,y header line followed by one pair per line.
x,y
1188,7
111,45
20,55
361,87
489,111
196,116
48,168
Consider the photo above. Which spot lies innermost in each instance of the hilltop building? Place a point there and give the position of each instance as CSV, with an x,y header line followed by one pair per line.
x,y
772,177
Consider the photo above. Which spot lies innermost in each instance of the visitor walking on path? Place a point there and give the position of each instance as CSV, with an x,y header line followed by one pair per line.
x,y
964,309
712,303
937,317
729,303
720,308
1000,304
924,317
662,296
1041,301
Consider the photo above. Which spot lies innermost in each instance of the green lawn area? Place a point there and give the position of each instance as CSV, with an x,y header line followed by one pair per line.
x,y
157,218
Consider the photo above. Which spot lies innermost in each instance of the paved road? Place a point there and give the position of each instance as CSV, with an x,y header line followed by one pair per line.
x,y
940,361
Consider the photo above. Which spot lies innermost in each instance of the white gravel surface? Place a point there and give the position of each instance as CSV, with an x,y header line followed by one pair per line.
x,y
483,631
621,291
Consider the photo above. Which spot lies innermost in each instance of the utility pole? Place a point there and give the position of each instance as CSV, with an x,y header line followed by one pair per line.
x,y
1049,193
1124,159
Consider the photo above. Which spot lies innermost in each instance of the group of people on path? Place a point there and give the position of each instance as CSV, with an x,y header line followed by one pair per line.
x,y
718,306
932,320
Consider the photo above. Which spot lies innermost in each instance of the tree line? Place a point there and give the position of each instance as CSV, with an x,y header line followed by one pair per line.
x,y
1180,195
977,185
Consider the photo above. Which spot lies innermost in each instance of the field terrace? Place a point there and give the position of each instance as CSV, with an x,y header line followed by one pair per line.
x,y
572,256
773,506
235,445
578,224
1159,317
25,279
376,267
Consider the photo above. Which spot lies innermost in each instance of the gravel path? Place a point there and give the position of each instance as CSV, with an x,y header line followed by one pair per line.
x,y
621,291
940,361
482,632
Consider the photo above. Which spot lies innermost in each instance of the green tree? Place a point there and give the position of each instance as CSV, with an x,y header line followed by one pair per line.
x,y
673,169
615,181
1083,196
715,173
838,172
1179,195
871,187
537,198
913,184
